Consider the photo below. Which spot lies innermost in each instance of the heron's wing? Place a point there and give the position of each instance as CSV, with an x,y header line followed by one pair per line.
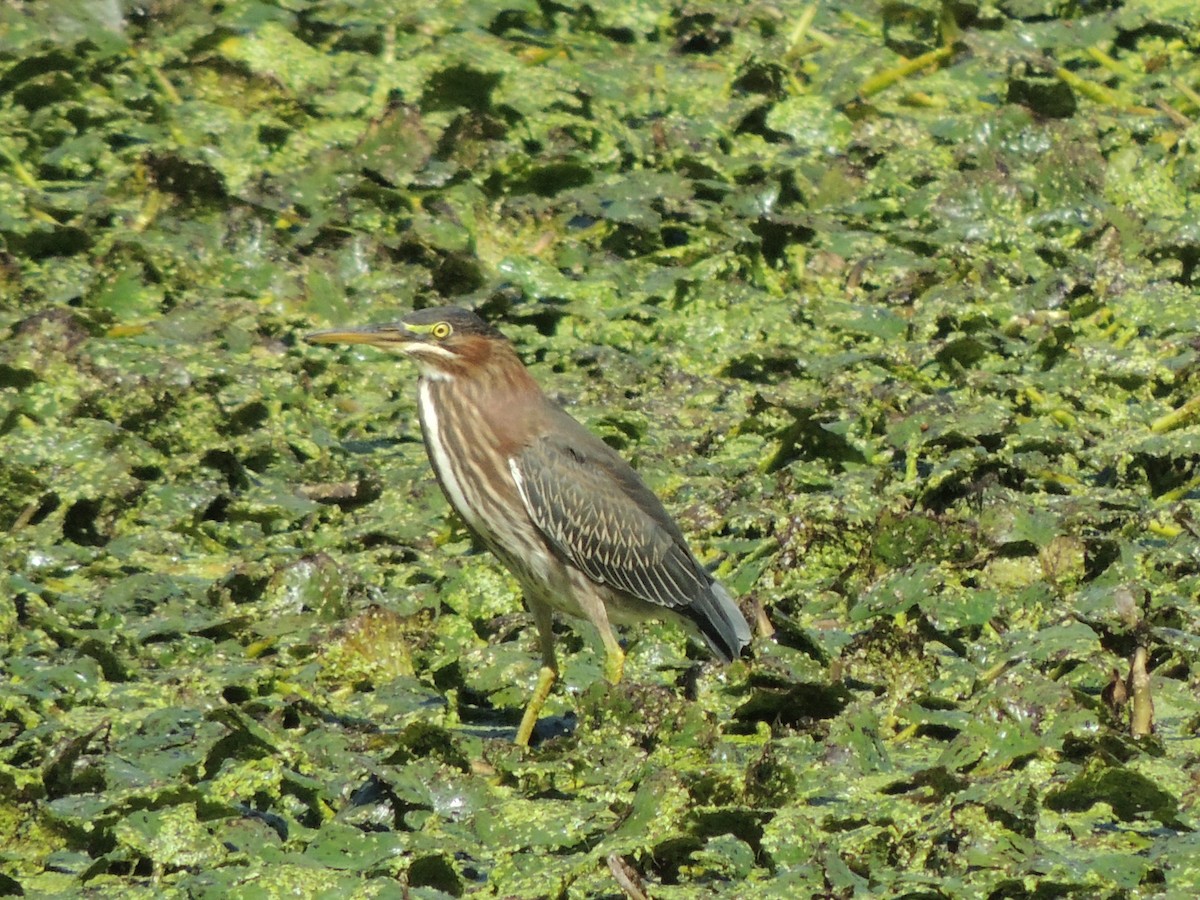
x,y
596,511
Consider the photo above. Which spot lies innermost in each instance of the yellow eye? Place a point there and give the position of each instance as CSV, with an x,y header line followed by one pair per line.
x,y
441,330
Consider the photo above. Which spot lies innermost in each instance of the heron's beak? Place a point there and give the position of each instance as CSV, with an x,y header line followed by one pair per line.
x,y
375,335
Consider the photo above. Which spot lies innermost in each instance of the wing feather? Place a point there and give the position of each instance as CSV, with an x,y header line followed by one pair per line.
x,y
596,511
586,511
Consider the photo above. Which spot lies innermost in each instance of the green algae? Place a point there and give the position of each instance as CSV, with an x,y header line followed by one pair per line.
x,y
895,307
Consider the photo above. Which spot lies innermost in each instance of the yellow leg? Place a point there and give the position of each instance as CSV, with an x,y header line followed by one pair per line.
x,y
614,657
591,601
614,665
543,617
546,678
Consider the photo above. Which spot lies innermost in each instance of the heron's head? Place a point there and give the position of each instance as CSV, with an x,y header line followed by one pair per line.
x,y
444,341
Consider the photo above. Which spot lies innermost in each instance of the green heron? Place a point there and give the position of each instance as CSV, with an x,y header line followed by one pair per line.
x,y
561,509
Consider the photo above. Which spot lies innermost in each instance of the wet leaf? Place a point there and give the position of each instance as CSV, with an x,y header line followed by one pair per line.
x,y
170,837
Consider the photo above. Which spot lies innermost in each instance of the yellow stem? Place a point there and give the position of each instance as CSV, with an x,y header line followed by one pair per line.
x,y
888,77
1176,417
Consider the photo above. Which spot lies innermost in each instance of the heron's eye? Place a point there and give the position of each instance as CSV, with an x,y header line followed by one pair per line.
x,y
441,330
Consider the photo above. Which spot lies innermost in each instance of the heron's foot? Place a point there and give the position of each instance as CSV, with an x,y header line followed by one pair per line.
x,y
546,678
614,663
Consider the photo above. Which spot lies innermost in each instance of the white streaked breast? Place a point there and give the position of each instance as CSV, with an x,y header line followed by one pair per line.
x,y
437,452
